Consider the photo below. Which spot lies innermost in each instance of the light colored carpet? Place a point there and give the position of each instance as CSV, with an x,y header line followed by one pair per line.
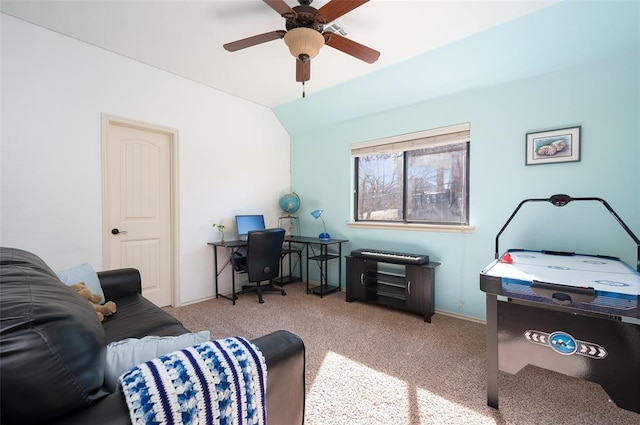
x,y
372,365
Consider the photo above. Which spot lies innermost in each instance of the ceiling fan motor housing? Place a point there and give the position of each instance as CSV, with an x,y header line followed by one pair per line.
x,y
306,17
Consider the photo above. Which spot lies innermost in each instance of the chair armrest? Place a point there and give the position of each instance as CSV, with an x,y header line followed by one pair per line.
x,y
119,283
239,261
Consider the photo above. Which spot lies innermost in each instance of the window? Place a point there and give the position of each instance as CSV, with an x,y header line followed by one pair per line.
x,y
415,178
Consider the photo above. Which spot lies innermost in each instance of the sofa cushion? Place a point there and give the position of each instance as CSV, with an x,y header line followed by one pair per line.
x,y
52,349
138,317
130,352
82,273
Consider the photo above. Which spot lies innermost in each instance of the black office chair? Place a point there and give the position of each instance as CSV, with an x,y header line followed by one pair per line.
x,y
262,261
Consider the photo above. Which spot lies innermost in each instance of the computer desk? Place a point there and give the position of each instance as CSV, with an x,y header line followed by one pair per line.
x,y
309,247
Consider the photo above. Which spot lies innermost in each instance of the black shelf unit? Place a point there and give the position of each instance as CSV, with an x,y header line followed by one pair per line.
x,y
324,288
407,287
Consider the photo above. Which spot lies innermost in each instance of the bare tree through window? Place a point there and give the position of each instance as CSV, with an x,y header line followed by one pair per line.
x,y
380,185
427,185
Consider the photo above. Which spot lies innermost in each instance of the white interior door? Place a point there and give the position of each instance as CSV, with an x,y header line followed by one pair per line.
x,y
138,204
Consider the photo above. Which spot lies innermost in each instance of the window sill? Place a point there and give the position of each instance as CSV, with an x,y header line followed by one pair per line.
x,y
412,226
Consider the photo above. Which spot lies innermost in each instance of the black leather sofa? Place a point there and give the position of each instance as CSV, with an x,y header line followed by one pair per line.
x,y
52,348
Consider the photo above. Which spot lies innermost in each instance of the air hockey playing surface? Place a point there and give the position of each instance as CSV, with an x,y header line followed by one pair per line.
x,y
586,282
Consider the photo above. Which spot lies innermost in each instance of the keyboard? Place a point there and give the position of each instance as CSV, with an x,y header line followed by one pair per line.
x,y
391,256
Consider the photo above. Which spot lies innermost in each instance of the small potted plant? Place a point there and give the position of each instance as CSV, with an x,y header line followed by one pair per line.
x,y
220,228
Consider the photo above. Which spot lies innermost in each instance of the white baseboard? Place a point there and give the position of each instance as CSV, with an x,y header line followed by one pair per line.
x,y
199,300
461,316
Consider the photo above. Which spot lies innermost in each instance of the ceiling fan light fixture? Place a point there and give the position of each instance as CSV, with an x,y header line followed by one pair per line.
x,y
304,41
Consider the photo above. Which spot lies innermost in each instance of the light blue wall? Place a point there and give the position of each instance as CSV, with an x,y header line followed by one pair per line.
x,y
600,91
556,37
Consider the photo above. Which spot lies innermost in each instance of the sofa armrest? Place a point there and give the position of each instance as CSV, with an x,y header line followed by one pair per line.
x,y
284,353
120,282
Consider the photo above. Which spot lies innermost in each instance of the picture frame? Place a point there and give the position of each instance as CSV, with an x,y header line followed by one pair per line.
x,y
553,146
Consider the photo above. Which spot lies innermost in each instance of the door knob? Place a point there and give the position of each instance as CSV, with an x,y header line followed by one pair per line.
x,y
115,231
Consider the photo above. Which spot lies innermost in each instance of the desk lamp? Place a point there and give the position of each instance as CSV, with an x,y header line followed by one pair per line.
x,y
324,236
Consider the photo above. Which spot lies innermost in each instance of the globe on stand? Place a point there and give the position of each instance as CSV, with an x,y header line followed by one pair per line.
x,y
290,203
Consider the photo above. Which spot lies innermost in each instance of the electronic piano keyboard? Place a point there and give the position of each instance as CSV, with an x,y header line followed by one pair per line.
x,y
391,256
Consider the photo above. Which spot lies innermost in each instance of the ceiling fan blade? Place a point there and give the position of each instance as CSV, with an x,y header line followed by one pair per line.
x,y
350,47
280,6
252,41
336,8
303,70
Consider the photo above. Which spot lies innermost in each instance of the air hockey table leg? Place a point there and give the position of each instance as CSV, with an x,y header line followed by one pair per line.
x,y
492,351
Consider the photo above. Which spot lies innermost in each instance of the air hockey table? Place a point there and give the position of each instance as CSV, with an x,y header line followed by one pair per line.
x,y
575,314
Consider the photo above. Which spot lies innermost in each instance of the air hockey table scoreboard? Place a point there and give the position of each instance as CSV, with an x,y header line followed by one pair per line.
x,y
575,314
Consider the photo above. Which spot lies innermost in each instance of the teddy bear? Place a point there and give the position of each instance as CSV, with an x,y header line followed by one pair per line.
x,y
102,310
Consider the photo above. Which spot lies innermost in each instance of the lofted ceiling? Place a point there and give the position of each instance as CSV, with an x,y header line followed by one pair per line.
x,y
185,37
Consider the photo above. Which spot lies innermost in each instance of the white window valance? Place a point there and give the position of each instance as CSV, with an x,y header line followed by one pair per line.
x,y
411,141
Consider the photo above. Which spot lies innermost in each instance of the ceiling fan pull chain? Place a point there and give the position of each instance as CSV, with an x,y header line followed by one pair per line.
x,y
303,94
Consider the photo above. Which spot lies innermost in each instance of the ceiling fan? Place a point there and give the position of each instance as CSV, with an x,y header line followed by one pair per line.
x,y
305,33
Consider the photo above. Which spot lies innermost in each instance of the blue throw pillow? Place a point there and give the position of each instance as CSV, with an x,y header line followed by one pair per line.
x,y
130,352
82,273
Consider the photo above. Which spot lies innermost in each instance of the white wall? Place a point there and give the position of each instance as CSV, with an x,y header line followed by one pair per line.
x,y
233,154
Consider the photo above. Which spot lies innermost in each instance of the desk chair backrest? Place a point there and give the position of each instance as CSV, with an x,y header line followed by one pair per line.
x,y
264,248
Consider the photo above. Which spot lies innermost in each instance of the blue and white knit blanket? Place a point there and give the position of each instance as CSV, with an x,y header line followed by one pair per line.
x,y
216,382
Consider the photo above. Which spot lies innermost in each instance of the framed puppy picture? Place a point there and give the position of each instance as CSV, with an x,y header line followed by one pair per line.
x,y
552,146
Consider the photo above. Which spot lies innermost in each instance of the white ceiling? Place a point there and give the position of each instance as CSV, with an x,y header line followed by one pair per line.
x,y
185,37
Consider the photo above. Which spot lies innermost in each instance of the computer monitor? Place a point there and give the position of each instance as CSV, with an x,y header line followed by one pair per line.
x,y
246,223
